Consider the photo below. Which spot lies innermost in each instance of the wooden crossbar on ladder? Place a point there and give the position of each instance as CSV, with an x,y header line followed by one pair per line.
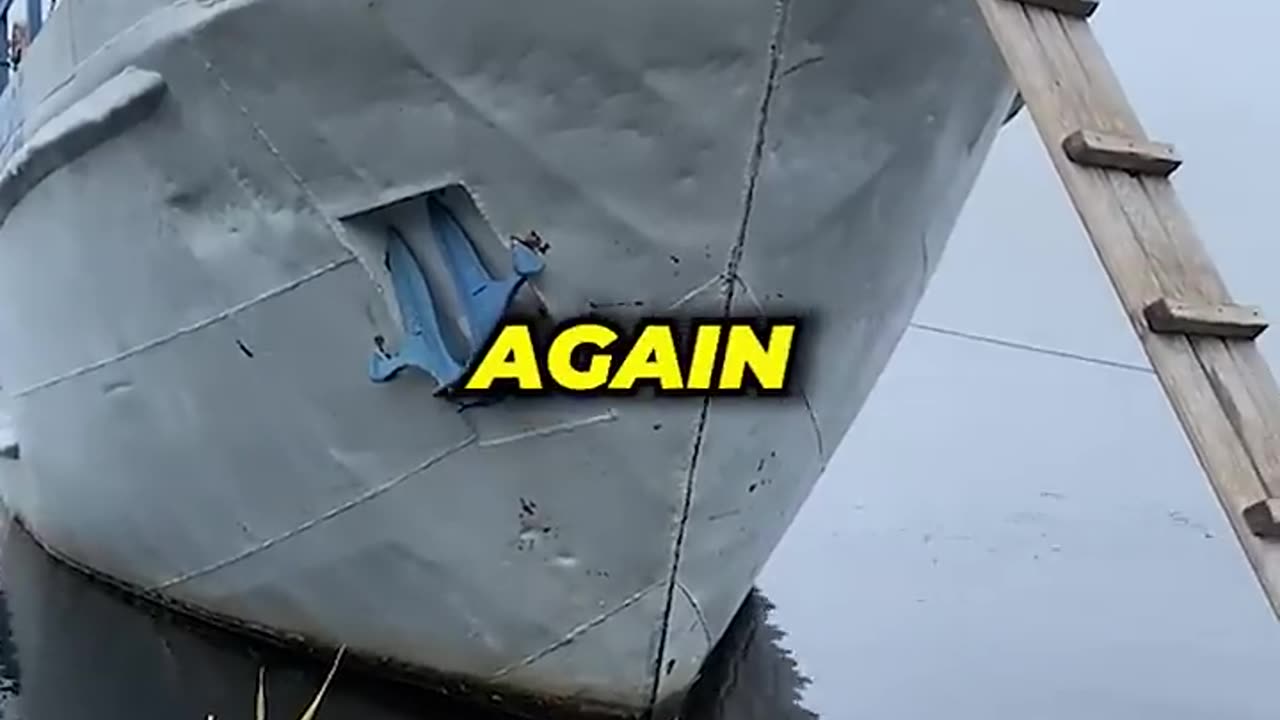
x,y
1200,344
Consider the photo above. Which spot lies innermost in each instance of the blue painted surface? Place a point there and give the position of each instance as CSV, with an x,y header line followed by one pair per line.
x,y
484,299
423,345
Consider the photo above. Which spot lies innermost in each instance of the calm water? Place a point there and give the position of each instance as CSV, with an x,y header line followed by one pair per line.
x,y
71,650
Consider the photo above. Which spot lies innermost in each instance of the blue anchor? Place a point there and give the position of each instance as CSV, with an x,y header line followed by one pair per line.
x,y
484,300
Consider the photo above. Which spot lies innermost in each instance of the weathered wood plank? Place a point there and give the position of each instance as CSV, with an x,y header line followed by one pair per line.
x,y
1264,518
1245,388
1221,391
1224,321
1103,150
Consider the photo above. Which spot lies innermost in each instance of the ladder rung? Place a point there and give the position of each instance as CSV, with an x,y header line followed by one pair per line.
x,y
1166,316
1088,147
1263,518
1078,8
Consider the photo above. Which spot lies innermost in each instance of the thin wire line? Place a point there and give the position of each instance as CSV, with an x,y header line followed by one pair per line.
x,y
1033,348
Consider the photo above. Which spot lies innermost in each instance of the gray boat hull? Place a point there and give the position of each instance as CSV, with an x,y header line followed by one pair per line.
x,y
189,298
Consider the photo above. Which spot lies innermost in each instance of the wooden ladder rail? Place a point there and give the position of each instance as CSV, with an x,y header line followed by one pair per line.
x,y
1201,345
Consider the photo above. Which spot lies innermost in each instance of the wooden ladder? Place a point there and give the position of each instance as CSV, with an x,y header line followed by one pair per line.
x,y
1200,344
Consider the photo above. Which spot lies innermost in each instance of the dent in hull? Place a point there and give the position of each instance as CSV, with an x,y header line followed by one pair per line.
x,y
189,308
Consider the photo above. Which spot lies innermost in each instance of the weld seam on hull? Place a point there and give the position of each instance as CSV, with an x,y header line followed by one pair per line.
x,y
804,396
531,151
125,100
577,632
320,519
817,428
754,163
335,227
189,329
751,294
697,612
555,429
689,296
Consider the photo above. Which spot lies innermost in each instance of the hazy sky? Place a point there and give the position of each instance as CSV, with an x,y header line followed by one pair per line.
x,y
1007,534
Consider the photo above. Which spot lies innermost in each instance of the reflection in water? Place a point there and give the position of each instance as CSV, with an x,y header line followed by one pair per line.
x,y
750,676
71,649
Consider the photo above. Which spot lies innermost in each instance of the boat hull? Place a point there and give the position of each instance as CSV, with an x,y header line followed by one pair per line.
x,y
189,304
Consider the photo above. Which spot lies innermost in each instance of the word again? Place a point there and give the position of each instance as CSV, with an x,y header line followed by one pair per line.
x,y
721,357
